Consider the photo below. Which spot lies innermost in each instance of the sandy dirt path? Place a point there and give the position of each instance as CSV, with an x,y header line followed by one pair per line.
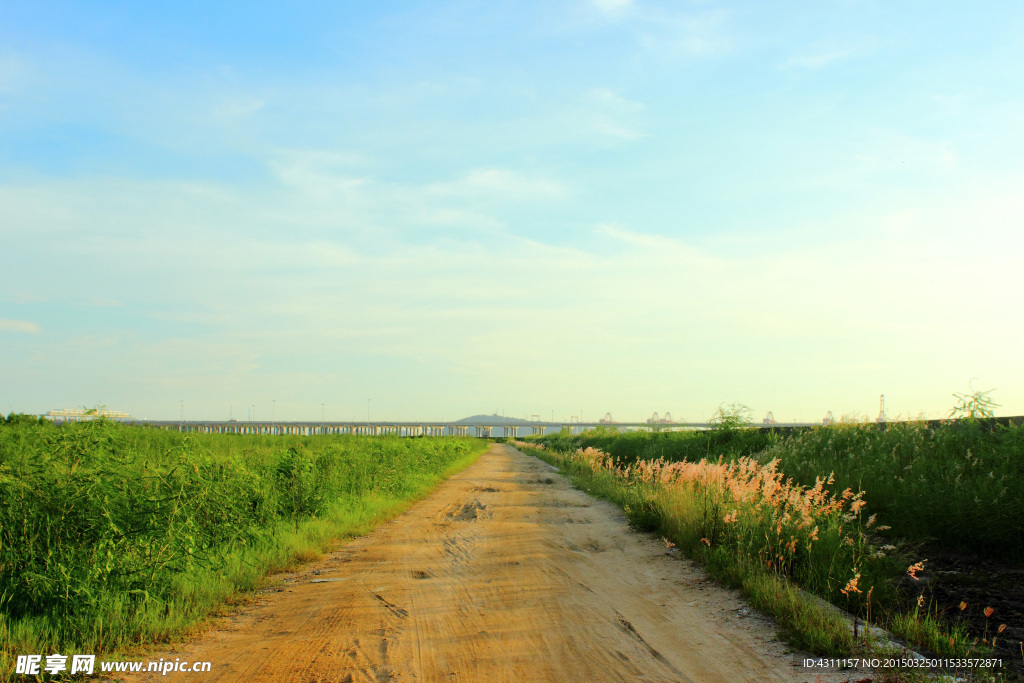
x,y
505,573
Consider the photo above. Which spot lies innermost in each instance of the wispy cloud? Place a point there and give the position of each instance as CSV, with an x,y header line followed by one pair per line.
x,y
892,151
11,70
661,244
500,182
397,203
610,115
704,33
232,109
828,52
318,172
612,6
816,60
288,307
19,326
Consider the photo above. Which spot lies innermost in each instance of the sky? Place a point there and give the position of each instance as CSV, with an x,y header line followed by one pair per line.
x,y
428,210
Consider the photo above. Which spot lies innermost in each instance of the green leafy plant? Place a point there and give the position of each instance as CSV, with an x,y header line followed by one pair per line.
x,y
973,405
113,534
733,417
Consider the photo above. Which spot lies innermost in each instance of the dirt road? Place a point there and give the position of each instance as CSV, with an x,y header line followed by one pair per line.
x,y
505,573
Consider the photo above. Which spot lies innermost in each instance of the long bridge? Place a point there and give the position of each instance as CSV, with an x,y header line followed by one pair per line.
x,y
423,428
479,426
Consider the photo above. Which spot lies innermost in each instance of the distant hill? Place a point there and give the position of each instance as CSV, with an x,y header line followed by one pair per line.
x,y
491,420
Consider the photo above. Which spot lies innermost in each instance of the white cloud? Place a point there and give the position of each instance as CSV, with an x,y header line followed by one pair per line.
x,y
816,60
318,173
828,52
232,109
897,152
502,183
19,326
462,218
612,6
613,100
687,34
609,115
11,70
265,298
663,245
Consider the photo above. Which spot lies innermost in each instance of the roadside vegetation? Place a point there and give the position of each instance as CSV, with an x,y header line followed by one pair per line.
x,y
958,486
844,512
113,535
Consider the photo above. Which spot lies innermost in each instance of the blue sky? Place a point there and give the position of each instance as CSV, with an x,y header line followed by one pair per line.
x,y
564,207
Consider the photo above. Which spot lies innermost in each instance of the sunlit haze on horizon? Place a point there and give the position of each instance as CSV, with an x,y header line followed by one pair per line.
x,y
429,210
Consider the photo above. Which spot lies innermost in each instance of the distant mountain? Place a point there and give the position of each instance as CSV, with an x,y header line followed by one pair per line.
x,y
491,420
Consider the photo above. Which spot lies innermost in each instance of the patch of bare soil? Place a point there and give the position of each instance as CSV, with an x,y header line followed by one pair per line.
x,y
505,573
953,579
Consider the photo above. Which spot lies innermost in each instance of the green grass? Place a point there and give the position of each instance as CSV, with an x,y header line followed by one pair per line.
x,y
957,486
113,535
